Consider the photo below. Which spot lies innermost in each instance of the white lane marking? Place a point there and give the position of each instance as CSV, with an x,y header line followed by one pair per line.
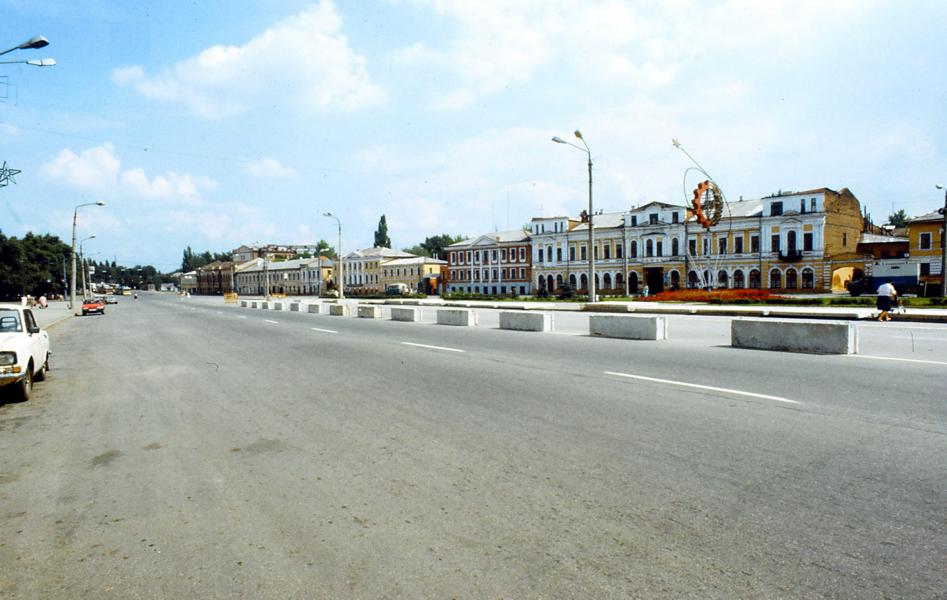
x,y
241,316
219,312
273,322
912,360
704,387
903,327
919,338
323,330
432,347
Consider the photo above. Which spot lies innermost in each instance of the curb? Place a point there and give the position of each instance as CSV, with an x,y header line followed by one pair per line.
x,y
58,321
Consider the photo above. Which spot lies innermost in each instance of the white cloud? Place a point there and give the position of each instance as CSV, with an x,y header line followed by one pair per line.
x,y
99,170
632,46
269,168
305,58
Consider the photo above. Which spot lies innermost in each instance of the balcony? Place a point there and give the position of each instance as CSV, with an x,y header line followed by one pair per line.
x,y
790,256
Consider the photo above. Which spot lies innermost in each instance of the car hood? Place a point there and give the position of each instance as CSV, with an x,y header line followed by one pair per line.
x,y
8,340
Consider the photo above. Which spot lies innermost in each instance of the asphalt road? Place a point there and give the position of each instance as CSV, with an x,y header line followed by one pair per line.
x,y
183,448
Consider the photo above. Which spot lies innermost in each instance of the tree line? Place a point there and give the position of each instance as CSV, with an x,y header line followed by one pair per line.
x,y
34,264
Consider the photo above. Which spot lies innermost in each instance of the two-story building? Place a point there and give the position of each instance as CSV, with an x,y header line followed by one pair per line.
x,y
363,269
301,276
926,242
418,273
494,264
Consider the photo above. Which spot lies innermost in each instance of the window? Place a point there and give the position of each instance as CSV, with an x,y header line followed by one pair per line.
x,y
522,273
722,243
595,251
754,243
812,205
619,251
808,279
776,208
738,245
925,240
653,219
706,245
493,255
802,205
692,247
583,252
925,269
571,252
608,251
634,249
539,255
845,239
775,242
649,248
549,254
659,249
807,241
468,256
791,279
675,247
634,220
675,217
775,279
522,254
559,254
791,241
503,255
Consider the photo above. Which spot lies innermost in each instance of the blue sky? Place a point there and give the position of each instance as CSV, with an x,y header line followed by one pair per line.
x,y
217,123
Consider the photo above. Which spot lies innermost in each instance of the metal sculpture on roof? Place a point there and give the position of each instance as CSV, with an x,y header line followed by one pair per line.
x,y
7,174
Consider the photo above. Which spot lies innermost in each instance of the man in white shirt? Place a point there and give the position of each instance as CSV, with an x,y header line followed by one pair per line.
x,y
886,296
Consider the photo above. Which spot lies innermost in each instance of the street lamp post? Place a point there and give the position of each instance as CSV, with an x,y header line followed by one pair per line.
x,y
943,245
82,264
72,278
340,276
34,43
591,251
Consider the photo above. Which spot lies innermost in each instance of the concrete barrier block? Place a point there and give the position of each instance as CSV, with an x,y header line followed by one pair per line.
x,y
243,303
294,307
278,305
812,337
318,308
340,310
524,321
264,305
401,313
253,304
367,311
456,316
630,327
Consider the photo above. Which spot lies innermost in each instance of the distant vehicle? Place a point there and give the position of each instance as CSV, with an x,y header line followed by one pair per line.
x,y
111,300
397,289
93,305
905,276
24,350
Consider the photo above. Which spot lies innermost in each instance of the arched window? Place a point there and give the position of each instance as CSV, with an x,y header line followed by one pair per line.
x,y
675,280
808,279
791,279
755,282
619,281
607,279
707,281
541,282
693,281
572,281
775,279
675,249
649,248
550,283
634,249
558,281
790,245
632,282
722,279
584,283
738,282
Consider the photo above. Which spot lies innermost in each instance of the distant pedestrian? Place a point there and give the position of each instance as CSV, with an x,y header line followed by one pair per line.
x,y
645,291
43,302
886,298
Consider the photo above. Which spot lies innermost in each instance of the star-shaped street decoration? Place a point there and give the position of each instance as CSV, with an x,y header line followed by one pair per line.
x,y
7,175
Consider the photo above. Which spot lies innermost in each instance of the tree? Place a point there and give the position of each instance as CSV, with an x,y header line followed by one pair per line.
x,y
899,219
434,245
381,234
417,250
324,249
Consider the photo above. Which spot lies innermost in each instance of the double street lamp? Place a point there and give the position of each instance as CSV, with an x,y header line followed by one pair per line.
x,y
35,42
72,279
591,252
340,275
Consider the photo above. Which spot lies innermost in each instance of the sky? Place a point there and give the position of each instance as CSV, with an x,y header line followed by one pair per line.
x,y
218,123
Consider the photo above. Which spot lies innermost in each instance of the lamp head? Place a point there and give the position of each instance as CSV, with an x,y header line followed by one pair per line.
x,y
100,203
37,41
327,214
558,139
42,62
578,134
938,186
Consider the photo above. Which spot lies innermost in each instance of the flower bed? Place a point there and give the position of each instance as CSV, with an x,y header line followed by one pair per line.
x,y
715,296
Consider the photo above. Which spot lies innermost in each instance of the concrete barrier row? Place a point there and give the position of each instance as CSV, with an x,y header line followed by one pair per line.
x,y
786,335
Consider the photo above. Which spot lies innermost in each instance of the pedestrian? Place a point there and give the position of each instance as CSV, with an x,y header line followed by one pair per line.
x,y
886,297
43,302
645,291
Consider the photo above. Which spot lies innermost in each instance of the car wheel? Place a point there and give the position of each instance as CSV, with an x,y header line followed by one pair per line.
x,y
24,389
41,375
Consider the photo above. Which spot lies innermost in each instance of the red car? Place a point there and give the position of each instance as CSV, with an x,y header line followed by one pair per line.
x,y
93,305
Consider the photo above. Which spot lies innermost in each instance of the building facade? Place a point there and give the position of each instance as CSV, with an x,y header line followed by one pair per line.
x,y
297,277
363,269
925,243
418,274
494,264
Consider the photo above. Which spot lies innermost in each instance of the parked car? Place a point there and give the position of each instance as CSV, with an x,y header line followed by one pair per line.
x,y
24,351
93,305
111,300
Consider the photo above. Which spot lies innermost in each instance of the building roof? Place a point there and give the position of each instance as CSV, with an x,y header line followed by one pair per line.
x,y
931,216
382,252
874,238
513,235
414,260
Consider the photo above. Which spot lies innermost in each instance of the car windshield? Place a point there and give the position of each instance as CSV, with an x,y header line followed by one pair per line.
x,y
9,321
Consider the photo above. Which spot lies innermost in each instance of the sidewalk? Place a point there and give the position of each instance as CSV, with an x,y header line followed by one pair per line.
x,y
56,312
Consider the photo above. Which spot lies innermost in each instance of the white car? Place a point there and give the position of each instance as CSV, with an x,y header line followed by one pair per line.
x,y
24,350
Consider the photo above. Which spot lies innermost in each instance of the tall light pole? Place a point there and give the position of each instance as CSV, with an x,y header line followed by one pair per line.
x,y
340,276
82,263
943,245
591,252
72,278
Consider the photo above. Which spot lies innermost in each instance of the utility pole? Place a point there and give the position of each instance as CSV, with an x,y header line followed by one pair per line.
x,y
943,245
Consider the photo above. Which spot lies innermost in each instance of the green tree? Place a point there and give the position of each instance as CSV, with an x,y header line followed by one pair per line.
x,y
381,234
434,245
324,249
899,219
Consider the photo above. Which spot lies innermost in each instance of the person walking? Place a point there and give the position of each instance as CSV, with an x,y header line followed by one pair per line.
x,y
886,297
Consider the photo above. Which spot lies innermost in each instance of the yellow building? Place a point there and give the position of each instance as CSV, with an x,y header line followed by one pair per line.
x,y
925,246
413,273
363,269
